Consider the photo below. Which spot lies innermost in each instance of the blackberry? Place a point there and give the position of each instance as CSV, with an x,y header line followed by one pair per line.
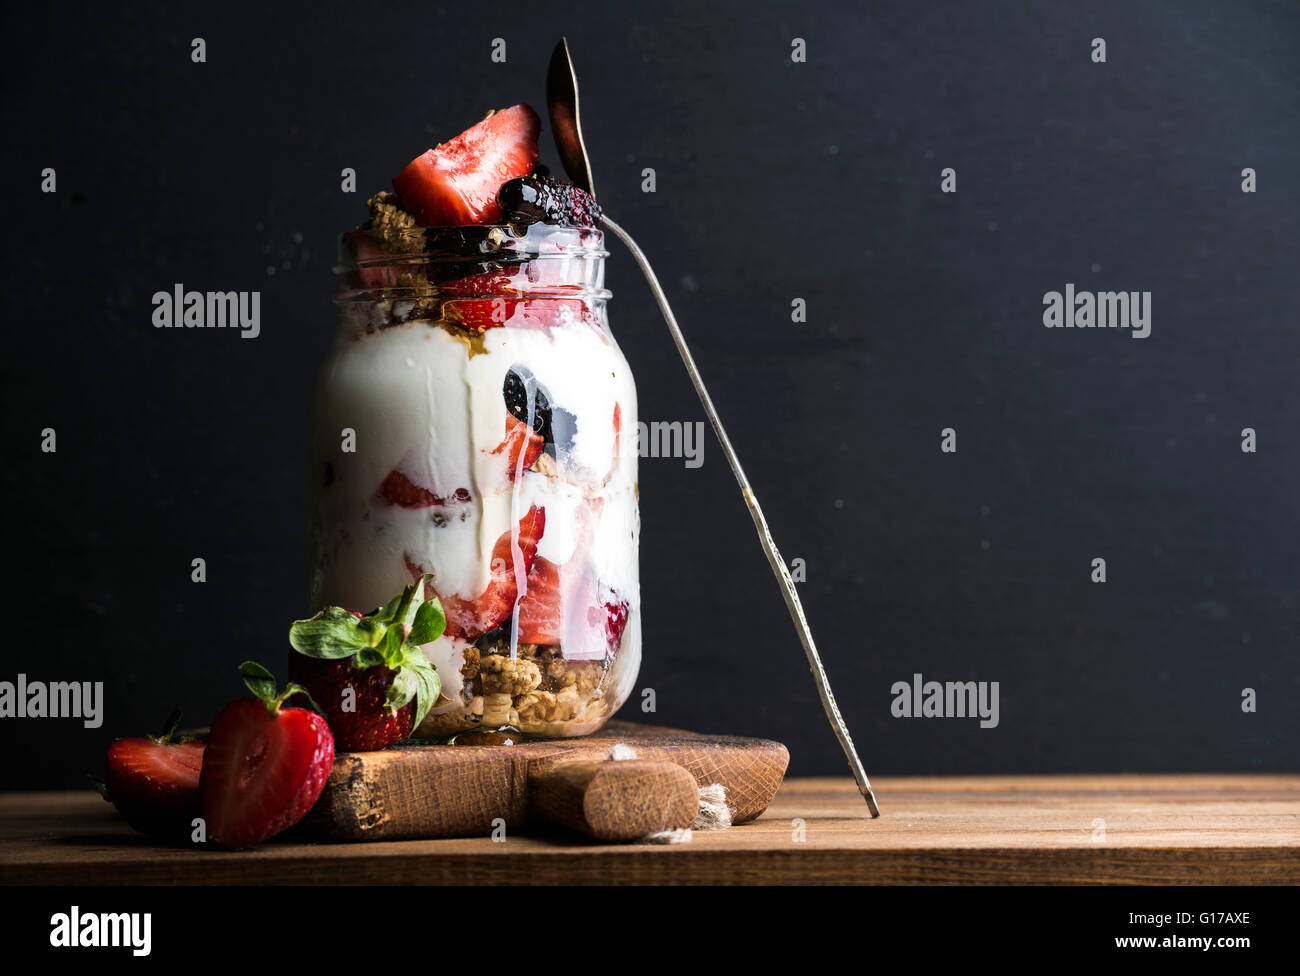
x,y
529,199
520,391
556,425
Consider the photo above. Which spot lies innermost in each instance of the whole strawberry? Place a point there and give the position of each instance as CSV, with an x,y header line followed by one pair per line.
x,y
357,709
265,764
372,681
154,780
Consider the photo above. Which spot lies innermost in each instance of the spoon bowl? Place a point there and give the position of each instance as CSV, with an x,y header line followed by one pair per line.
x,y
566,123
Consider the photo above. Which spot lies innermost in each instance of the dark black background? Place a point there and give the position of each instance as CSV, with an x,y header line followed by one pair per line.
x,y
775,180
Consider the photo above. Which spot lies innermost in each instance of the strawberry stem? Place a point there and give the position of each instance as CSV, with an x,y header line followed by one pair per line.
x,y
261,683
169,730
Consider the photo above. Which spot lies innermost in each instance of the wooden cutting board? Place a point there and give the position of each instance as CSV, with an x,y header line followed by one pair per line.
x,y
414,791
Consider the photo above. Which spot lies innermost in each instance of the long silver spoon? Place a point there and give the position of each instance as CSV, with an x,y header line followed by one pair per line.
x,y
562,101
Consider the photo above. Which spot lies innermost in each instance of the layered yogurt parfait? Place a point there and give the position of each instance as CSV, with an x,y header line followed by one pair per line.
x,y
474,423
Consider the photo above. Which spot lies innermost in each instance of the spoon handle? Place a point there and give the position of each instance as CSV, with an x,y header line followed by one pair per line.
x,y
760,523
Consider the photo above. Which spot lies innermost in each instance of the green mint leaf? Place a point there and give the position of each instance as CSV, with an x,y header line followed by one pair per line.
x,y
430,622
260,681
331,634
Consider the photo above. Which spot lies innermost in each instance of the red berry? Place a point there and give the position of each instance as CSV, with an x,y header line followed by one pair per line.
x,y
155,784
456,183
263,770
612,616
370,725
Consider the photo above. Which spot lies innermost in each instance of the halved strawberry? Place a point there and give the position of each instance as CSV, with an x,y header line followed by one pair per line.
x,y
154,782
456,183
265,764
471,618
522,446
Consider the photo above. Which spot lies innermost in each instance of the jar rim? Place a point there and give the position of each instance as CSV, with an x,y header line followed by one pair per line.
x,y
476,241
433,262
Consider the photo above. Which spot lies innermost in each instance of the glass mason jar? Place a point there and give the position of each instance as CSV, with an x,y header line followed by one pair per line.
x,y
475,420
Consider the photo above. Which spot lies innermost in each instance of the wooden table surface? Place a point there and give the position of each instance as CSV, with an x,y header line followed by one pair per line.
x,y
1222,829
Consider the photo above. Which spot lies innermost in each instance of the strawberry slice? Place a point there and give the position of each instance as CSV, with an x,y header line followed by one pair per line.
x,y
469,619
554,593
265,764
495,281
154,782
399,490
539,277
456,183
538,314
545,314
541,611
480,314
522,446
375,268
572,610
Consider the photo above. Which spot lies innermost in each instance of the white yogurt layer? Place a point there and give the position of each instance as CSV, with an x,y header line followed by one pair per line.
x,y
422,404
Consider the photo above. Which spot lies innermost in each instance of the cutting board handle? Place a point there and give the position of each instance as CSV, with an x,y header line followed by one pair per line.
x,y
614,800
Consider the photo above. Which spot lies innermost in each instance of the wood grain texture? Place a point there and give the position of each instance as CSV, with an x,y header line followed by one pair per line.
x,y
1221,829
615,801
461,791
